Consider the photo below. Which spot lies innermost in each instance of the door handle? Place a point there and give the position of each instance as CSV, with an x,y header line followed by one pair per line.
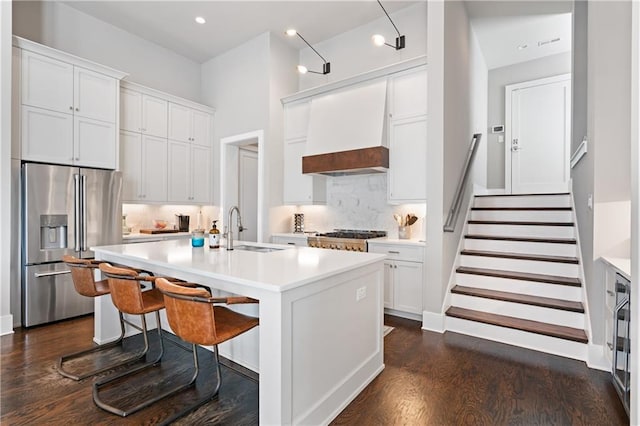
x,y
83,179
50,274
76,231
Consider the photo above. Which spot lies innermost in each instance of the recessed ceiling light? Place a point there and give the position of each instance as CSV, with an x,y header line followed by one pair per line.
x,y
523,46
200,20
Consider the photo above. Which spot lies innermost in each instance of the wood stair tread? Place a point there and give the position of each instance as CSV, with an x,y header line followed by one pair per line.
x,y
552,330
518,222
545,302
525,276
521,256
520,195
521,208
522,239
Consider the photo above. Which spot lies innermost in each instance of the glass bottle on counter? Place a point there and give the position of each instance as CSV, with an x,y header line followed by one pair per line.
x,y
214,236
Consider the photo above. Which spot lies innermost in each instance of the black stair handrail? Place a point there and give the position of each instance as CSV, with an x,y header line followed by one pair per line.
x,y
450,224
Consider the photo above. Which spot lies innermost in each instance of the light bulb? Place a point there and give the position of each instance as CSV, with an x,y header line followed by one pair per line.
x,y
291,32
302,69
378,40
200,20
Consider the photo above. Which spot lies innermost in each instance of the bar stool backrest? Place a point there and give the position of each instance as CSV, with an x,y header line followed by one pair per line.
x,y
125,289
190,312
82,275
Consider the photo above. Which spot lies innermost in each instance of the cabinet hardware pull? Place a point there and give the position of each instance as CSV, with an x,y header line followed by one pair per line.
x,y
50,274
610,293
77,109
394,252
70,108
610,346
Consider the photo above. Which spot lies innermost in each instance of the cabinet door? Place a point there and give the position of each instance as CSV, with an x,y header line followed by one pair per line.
x,y
94,95
179,123
154,116
407,173
46,83
201,174
388,284
130,165
296,120
201,132
94,143
154,168
130,110
409,94
47,136
180,171
407,286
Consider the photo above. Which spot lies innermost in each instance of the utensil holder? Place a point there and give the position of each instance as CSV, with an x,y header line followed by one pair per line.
x,y
404,232
298,223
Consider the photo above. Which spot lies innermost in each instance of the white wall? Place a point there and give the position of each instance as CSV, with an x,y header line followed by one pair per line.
x,y
352,52
6,319
498,79
62,27
479,109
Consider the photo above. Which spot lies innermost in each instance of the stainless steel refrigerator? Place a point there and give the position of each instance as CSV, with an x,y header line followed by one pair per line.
x,y
66,210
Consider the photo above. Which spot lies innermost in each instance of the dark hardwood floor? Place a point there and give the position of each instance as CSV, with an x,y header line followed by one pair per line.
x,y
429,379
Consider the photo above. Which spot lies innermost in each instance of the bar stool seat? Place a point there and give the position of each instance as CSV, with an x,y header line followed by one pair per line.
x,y
82,274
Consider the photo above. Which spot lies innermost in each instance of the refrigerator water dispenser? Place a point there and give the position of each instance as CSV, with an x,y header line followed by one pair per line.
x,y
53,231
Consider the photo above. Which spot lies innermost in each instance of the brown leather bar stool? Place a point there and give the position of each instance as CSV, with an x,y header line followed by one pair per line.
x,y
194,318
82,274
128,298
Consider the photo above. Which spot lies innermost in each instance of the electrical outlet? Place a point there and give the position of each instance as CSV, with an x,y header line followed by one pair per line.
x,y
361,293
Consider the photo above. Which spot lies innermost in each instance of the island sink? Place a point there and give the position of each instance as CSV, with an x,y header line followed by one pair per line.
x,y
257,249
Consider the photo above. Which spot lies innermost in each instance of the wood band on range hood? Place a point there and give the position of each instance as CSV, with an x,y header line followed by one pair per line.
x,y
356,161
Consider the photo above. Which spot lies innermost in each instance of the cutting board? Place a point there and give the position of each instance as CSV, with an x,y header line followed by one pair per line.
x,y
159,231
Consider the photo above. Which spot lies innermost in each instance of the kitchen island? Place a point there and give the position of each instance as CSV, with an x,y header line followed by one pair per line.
x,y
321,317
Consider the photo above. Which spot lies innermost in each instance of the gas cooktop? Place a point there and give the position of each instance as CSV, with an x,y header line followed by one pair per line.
x,y
354,233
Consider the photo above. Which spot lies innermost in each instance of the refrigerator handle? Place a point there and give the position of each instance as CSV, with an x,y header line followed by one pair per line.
x,y
84,212
76,207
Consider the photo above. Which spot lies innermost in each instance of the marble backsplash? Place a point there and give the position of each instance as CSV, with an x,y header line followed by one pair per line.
x,y
141,216
360,202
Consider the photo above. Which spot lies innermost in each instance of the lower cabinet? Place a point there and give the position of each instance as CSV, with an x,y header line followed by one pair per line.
x,y
290,239
403,275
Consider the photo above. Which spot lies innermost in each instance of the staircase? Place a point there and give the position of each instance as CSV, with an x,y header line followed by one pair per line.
x,y
518,279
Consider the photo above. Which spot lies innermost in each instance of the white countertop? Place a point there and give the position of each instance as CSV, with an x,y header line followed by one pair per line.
x,y
622,264
278,271
138,236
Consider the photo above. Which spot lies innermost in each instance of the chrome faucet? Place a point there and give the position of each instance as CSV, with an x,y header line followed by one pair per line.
x,y
229,233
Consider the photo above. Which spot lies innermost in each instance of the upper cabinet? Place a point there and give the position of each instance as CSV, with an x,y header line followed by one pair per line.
x,y
177,134
143,113
407,132
67,107
189,125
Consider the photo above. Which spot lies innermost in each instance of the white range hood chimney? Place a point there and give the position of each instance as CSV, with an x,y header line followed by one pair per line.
x,y
346,132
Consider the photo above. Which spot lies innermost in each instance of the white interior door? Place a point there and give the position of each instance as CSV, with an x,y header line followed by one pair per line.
x,y
248,193
538,130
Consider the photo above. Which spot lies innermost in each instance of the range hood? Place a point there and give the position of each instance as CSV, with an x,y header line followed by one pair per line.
x,y
346,132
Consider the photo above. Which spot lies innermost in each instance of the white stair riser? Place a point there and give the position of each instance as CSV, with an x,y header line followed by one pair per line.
x,y
530,288
524,201
524,247
519,310
524,215
522,230
538,342
518,265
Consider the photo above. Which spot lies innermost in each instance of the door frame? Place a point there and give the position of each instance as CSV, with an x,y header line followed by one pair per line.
x,y
509,89
229,151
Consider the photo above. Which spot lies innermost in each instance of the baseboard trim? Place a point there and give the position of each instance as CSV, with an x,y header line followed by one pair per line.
x,y
596,358
6,325
433,322
407,315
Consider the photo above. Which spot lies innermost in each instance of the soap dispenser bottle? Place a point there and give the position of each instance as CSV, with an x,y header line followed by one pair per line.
x,y
214,236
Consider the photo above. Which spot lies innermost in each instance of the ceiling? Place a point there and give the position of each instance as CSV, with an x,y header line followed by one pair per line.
x,y
230,23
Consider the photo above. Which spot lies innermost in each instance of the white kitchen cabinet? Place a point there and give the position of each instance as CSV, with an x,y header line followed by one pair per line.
x,y
407,175
143,162
403,276
299,189
407,127
299,240
143,113
189,125
68,108
189,173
